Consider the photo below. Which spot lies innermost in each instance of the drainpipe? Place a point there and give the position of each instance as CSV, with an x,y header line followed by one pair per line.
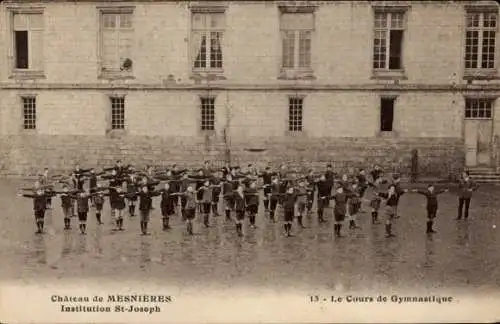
x,y
227,139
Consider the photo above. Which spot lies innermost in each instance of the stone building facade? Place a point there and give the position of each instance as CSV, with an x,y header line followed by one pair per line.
x,y
157,82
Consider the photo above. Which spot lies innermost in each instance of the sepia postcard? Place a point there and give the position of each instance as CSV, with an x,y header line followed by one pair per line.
x,y
238,161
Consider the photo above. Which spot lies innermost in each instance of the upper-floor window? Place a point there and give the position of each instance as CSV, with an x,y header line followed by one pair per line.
x,y
116,41
480,40
388,40
27,40
297,30
207,36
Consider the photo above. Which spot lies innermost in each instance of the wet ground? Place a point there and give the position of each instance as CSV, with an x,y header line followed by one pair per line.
x,y
463,254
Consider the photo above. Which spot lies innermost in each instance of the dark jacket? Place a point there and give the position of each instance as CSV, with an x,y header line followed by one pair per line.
x,y
466,188
432,201
239,202
324,189
116,200
146,199
39,201
341,200
82,203
227,188
252,197
289,200
392,200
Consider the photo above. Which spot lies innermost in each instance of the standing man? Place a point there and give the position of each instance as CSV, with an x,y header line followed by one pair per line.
x,y
465,189
330,180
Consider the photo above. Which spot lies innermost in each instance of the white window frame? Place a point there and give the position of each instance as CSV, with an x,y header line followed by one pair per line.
x,y
121,126
389,11
481,11
293,125
25,120
30,72
207,32
203,123
297,71
118,72
477,106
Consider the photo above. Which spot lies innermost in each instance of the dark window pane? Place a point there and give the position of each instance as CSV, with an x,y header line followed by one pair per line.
x,y
386,114
21,39
395,49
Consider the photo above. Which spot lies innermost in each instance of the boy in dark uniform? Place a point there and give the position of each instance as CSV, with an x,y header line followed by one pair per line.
x,y
98,197
145,202
432,204
82,205
67,205
239,206
274,198
376,173
200,179
45,181
206,201
289,200
340,209
391,198
132,188
93,177
227,191
375,202
302,197
465,189
354,205
39,206
117,202
216,184
184,185
311,189
190,208
330,180
252,202
207,170
115,181
167,205
78,177
399,192
267,177
324,192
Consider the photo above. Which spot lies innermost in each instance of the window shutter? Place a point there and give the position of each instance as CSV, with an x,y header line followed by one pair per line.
x,y
36,57
124,45
109,49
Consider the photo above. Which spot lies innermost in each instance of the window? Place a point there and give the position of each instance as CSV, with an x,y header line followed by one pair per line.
x,y
478,108
296,31
28,41
117,113
207,113
116,41
388,40
386,114
207,40
480,40
29,112
295,114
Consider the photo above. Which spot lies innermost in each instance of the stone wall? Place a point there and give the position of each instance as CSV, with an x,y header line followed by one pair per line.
x,y
28,154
